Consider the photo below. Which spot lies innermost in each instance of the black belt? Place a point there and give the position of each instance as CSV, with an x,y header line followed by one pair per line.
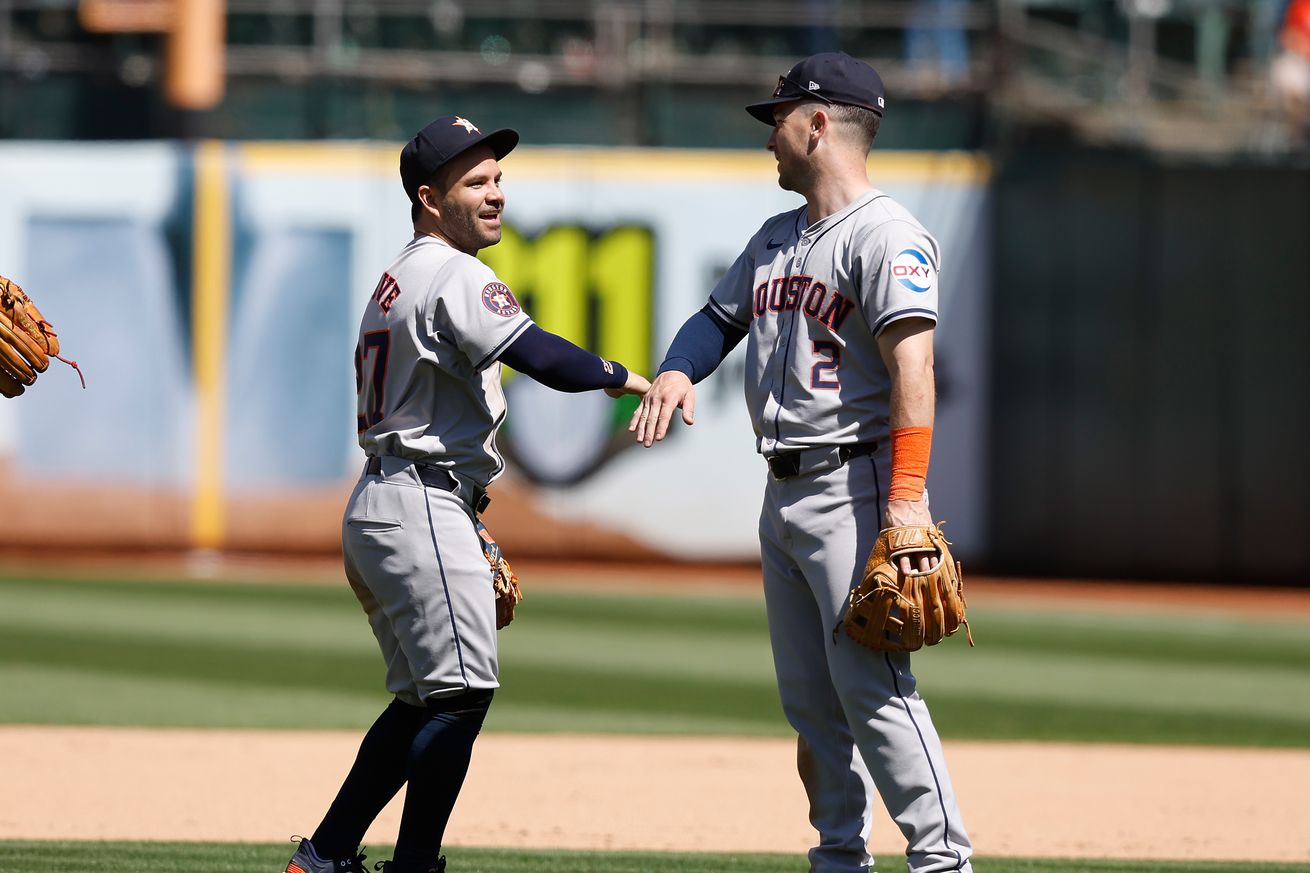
x,y
816,460
438,477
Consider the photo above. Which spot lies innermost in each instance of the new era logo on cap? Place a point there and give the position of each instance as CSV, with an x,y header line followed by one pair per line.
x,y
846,80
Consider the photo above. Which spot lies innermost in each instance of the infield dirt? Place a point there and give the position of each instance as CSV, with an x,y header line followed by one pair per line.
x,y
653,793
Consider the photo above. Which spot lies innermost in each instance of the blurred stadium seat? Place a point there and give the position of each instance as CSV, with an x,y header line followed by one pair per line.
x,y
1188,75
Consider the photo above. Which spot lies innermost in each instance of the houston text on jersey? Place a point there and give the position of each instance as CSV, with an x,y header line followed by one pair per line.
x,y
785,294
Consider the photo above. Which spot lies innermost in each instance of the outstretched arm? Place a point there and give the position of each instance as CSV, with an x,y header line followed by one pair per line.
x,y
557,363
701,344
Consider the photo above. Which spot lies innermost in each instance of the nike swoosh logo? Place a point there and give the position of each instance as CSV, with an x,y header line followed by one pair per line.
x,y
772,245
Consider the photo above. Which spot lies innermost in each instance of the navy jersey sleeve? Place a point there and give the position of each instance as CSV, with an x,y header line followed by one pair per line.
x,y
701,344
557,363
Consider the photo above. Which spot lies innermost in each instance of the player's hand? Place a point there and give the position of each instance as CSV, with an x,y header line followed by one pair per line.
x,y
669,391
911,512
636,384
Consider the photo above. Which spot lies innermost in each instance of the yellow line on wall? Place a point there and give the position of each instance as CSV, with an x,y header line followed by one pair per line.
x,y
212,245
609,163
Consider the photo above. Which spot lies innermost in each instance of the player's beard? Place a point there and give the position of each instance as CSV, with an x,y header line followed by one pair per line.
x,y
467,231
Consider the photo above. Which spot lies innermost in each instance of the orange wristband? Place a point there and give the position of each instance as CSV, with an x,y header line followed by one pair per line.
x,y
910,449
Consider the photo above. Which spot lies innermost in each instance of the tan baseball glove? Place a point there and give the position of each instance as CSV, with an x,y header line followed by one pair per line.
x,y
27,341
503,580
893,611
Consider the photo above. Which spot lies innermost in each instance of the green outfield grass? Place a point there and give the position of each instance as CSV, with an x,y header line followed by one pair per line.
x,y
30,857
245,655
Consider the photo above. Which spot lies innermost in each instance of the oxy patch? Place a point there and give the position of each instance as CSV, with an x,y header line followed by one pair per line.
x,y
913,271
497,297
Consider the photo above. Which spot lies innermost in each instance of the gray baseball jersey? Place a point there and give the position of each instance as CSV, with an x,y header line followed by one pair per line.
x,y
428,383
812,298
425,369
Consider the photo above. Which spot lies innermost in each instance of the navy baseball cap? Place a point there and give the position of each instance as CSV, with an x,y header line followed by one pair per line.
x,y
831,77
442,140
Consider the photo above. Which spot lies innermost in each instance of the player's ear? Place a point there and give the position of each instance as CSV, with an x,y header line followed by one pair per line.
x,y
428,197
820,121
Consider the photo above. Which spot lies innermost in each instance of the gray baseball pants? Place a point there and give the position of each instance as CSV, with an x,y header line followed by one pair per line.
x,y
415,562
860,721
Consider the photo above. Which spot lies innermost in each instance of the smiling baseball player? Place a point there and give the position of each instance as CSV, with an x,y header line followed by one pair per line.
x,y
837,301
427,368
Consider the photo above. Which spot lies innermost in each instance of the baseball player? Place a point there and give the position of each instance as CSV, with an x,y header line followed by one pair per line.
x,y
837,301
434,333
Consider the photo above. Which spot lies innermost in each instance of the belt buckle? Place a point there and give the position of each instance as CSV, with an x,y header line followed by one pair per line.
x,y
435,476
856,450
474,497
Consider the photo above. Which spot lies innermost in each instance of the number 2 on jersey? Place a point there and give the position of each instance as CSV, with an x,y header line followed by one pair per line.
x,y
832,353
372,352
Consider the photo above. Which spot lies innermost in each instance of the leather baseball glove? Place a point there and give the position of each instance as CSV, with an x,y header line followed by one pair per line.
x,y
503,580
27,341
893,611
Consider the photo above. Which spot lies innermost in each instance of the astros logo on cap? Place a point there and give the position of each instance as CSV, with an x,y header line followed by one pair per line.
x,y
466,124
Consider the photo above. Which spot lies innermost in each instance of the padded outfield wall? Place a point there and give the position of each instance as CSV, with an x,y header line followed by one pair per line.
x,y
1151,401
212,293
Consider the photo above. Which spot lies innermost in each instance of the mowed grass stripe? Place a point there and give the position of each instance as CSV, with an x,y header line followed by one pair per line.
x,y
303,614
238,655
193,608
219,670
1061,678
1166,638
312,617
655,651
113,857
83,697
277,663
963,716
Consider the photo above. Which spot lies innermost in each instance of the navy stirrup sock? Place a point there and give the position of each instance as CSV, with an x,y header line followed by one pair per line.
x,y
438,761
377,774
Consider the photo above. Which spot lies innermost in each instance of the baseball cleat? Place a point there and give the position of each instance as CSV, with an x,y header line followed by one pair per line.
x,y
307,860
